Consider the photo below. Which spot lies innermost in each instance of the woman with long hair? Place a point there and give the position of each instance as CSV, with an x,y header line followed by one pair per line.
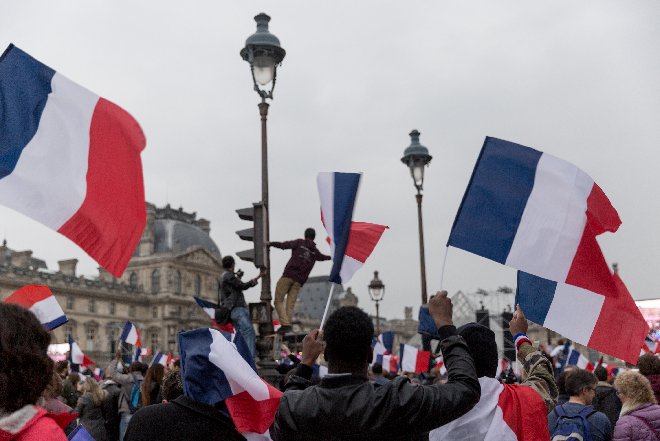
x,y
90,408
151,386
640,415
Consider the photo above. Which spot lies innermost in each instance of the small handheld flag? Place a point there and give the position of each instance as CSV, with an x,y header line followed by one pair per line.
x,y
76,355
40,300
414,360
131,335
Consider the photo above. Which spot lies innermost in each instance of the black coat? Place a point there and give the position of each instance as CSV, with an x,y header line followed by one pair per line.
x,y
349,407
91,417
181,420
607,402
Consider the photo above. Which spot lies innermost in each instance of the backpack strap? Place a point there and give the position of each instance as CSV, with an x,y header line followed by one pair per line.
x,y
647,424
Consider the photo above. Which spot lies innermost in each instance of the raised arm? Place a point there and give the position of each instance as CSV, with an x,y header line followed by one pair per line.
x,y
284,245
117,377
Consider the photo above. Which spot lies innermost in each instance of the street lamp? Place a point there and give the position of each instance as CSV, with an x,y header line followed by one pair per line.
x,y
263,52
377,292
417,157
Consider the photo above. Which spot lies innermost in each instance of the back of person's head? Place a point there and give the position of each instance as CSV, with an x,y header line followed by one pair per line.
x,y
92,388
74,378
54,387
377,369
601,373
138,366
310,233
172,385
648,364
578,380
228,262
635,386
62,368
348,334
482,345
561,382
154,375
25,369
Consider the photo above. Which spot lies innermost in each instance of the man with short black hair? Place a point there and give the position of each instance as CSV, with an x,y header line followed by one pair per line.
x,y
581,389
345,405
377,374
606,400
231,297
304,255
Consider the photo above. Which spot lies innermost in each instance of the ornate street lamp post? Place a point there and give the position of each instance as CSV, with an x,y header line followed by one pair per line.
x,y
264,54
417,157
377,293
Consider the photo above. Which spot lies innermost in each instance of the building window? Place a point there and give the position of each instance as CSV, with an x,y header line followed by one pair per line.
x,y
154,341
155,281
131,311
91,307
69,302
70,330
133,280
112,340
198,285
90,333
177,282
112,308
154,312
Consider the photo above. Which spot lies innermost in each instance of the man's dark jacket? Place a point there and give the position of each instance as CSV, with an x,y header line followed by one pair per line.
x,y
304,255
181,420
607,402
231,290
351,408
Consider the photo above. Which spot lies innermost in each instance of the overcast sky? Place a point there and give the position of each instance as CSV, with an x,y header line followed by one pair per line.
x,y
578,80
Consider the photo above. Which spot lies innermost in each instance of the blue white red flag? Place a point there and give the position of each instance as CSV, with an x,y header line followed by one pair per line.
x,y
575,358
540,214
414,360
80,434
338,192
131,335
70,160
217,366
40,300
76,355
505,412
209,309
389,362
140,353
382,345
98,374
650,345
161,358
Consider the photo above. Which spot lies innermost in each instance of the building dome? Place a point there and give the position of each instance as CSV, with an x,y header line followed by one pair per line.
x,y
175,231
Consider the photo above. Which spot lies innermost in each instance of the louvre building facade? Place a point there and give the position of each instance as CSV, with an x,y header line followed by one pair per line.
x,y
175,260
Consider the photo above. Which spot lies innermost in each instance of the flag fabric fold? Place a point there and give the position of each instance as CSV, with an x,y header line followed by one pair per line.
x,y
70,160
209,309
161,358
130,334
217,366
414,360
76,355
338,192
40,300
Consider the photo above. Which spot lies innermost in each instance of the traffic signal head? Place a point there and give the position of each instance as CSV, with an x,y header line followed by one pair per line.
x,y
256,235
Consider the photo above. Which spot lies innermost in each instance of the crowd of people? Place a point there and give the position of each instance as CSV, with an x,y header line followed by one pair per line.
x,y
44,400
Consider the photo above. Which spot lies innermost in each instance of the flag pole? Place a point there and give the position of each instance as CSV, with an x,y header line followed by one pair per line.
x,y
327,305
444,264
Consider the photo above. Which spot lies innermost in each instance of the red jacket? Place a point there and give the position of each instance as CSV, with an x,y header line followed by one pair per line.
x,y
33,423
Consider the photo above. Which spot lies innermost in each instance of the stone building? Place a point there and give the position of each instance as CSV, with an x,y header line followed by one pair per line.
x,y
175,260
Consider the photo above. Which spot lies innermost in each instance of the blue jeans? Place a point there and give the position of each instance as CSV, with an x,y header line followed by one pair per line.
x,y
240,317
125,418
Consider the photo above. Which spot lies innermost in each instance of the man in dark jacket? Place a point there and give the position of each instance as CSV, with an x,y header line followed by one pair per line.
x,y
345,405
181,419
606,399
304,255
231,296
111,409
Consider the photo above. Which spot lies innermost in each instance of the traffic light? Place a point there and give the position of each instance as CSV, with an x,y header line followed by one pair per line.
x,y
257,215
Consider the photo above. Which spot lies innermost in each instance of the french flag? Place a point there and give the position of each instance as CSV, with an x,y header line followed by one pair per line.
x,y
140,353
70,160
650,345
217,366
414,360
131,335
76,355
338,192
540,214
440,364
162,359
382,345
505,412
98,374
209,309
389,362
40,300
575,358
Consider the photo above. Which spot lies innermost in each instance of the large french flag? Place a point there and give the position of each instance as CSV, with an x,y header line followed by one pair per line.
x,y
130,334
40,300
70,160
338,192
76,355
414,360
505,412
611,323
217,366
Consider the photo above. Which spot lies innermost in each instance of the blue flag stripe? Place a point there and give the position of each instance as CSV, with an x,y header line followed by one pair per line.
x,y
345,193
495,199
535,295
24,89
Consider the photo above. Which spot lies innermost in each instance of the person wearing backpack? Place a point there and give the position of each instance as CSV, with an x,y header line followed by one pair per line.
x,y
130,398
606,400
640,415
577,419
